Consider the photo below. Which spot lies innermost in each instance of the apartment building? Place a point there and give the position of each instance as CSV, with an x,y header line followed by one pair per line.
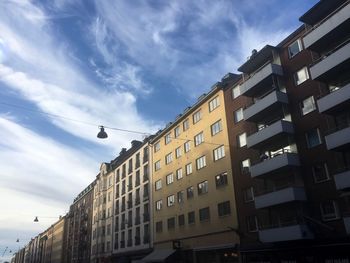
x,y
79,227
194,206
290,142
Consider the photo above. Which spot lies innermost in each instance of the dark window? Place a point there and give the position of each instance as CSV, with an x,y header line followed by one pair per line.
x,y
221,179
191,217
181,219
320,172
204,214
224,208
159,227
252,224
190,192
171,223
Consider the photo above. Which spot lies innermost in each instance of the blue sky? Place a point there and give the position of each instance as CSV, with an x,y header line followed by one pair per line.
x,y
127,64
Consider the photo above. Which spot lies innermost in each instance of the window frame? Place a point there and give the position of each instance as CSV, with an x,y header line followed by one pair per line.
x,y
169,179
309,146
197,116
201,162
214,103
235,119
204,189
219,153
216,127
302,106
296,77
170,200
300,48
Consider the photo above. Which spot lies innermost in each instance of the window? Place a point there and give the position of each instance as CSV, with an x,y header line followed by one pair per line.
x,y
307,105
187,146
295,48
242,139
203,188
224,208
180,196
177,131
214,103
181,220
157,165
216,128
158,184
201,162
320,172
168,158
252,223
159,226
186,125
198,139
188,168
167,138
313,138
178,152
245,166
179,174
204,214
169,179
159,205
219,153
221,179
197,116
189,192
238,115
301,76
191,217
171,200
248,194
171,223
329,210
236,91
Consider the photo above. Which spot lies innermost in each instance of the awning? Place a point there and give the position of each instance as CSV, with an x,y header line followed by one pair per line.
x,y
158,255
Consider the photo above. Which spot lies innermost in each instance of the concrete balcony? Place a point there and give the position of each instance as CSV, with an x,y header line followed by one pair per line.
x,y
330,25
342,180
273,134
282,196
335,100
250,86
285,233
347,224
276,164
330,66
339,139
265,106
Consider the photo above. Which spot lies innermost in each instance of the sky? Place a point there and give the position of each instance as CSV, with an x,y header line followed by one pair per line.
x,y
68,66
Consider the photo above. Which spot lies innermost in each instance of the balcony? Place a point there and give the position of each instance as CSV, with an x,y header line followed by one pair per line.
x,y
328,28
276,134
342,179
335,100
265,106
339,139
275,164
333,64
251,85
347,224
285,233
278,197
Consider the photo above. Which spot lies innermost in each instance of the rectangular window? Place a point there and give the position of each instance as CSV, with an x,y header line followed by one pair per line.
x,y
252,223
219,153
177,131
171,223
307,105
201,162
236,91
167,138
191,217
189,192
245,166
159,226
214,103
204,214
221,180
187,146
248,194
295,48
178,152
242,139
186,125
188,168
313,138
320,172
238,115
224,208
168,158
198,139
180,196
157,165
181,220
171,200
159,205
197,116
158,184
301,75
179,174
329,210
216,128
203,188
169,179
